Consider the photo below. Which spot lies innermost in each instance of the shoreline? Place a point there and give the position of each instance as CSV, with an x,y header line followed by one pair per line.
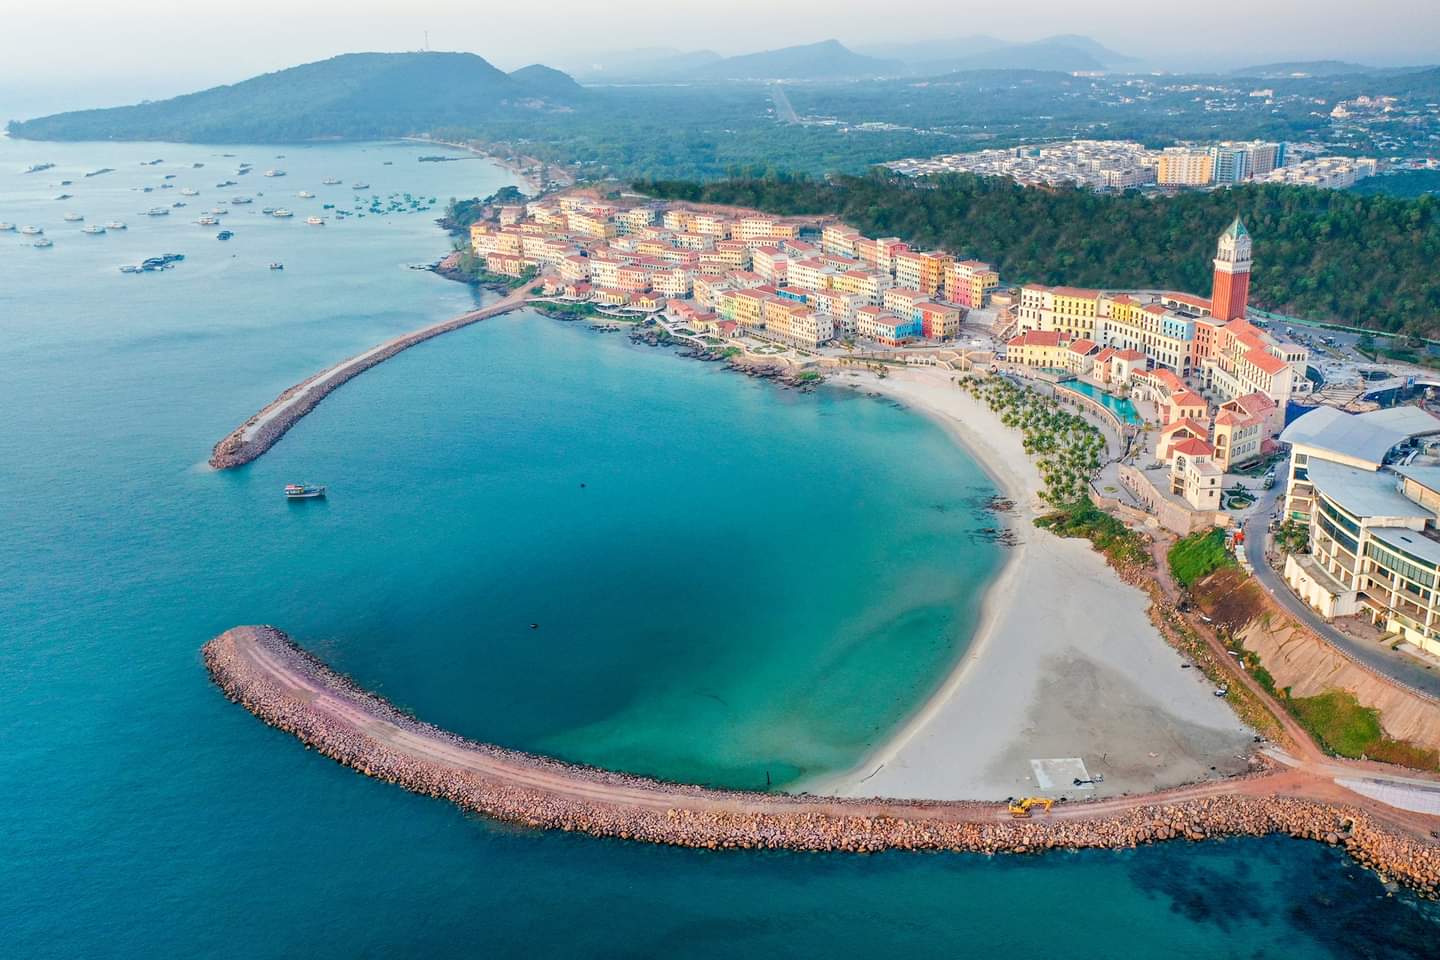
x,y
990,718
263,670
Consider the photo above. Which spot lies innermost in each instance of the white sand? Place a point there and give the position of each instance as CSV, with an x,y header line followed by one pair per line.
x,y
1064,662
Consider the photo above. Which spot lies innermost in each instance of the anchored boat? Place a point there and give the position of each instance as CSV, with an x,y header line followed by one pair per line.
x,y
303,491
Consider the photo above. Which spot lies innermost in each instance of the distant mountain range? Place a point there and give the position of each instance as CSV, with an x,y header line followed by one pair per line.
x,y
832,60
356,95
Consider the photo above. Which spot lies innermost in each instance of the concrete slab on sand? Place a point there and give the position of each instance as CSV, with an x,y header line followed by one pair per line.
x,y
1061,774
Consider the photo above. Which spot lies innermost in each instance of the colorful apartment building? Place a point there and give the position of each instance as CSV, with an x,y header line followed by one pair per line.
x,y
882,326
836,238
925,272
938,321
970,283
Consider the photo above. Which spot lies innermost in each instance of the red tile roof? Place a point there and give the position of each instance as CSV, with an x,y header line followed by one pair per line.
x,y
1265,361
1193,448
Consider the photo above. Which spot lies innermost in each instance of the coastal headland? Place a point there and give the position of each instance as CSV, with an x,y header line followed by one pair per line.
x,y
260,668
262,431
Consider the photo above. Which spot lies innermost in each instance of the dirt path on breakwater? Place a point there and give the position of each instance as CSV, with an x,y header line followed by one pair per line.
x,y
261,432
260,668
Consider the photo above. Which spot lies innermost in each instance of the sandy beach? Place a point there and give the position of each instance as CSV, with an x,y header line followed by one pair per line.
x,y
1063,664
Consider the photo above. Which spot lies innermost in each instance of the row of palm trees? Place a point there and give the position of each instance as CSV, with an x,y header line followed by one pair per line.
x,y
1068,451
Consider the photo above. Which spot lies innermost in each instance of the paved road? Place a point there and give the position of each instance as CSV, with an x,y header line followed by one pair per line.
x,y
1378,657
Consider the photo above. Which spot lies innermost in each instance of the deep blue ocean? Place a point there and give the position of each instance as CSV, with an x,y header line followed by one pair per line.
x,y
727,581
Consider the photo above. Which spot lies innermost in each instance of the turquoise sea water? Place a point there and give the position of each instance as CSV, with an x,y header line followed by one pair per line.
x,y
749,581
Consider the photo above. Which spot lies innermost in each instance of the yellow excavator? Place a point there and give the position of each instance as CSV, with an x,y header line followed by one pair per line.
x,y
1023,806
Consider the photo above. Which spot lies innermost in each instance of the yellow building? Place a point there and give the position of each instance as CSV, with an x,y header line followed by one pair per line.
x,y
869,285
1182,167
1068,310
1038,348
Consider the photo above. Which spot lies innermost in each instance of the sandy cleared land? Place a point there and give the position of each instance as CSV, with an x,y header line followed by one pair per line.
x,y
1064,662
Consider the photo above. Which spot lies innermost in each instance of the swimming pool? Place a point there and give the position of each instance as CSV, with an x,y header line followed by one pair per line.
x,y
1121,407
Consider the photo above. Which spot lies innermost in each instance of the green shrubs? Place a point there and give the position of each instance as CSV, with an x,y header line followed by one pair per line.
x,y
1198,555
1111,537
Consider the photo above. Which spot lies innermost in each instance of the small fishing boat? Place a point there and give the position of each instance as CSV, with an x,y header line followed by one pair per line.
x,y
359,186
330,181
281,212
42,244
72,218
277,266
130,268
115,225
305,195
207,221
224,235
239,201
92,228
158,212
6,226
315,221
274,173
303,491
189,192
32,231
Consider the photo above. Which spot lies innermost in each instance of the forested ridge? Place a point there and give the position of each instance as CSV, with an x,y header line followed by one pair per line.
x,y
1321,254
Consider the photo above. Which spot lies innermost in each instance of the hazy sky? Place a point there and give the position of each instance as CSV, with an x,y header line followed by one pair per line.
x,y
65,54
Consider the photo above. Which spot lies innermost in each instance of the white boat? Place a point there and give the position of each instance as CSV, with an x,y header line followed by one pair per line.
x,y
42,244
207,221
237,201
282,212
274,173
32,231
130,268
305,195
304,491
92,228
115,225
315,221
189,192
73,218
6,226
330,181
218,211
359,186
158,212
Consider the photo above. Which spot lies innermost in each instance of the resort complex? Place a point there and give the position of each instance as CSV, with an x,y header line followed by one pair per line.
x,y
1367,488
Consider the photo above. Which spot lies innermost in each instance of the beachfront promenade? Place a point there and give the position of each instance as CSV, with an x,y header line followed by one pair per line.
x,y
260,668
262,431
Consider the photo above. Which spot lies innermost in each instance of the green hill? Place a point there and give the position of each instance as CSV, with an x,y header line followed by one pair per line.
x,y
353,96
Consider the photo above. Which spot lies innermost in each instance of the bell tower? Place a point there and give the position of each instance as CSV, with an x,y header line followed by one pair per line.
x,y
1231,289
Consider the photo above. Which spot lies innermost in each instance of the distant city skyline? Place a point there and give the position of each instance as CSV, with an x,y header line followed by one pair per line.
x,y
72,54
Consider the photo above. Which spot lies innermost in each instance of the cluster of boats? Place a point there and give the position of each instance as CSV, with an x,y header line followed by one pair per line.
x,y
393,203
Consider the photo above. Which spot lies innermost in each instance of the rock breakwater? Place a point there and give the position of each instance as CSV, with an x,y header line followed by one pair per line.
x,y
262,431
261,669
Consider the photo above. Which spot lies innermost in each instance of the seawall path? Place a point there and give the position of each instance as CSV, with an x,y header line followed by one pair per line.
x,y
260,668
255,436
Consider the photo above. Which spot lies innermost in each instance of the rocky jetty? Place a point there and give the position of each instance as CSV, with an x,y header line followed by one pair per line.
x,y
261,669
238,449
